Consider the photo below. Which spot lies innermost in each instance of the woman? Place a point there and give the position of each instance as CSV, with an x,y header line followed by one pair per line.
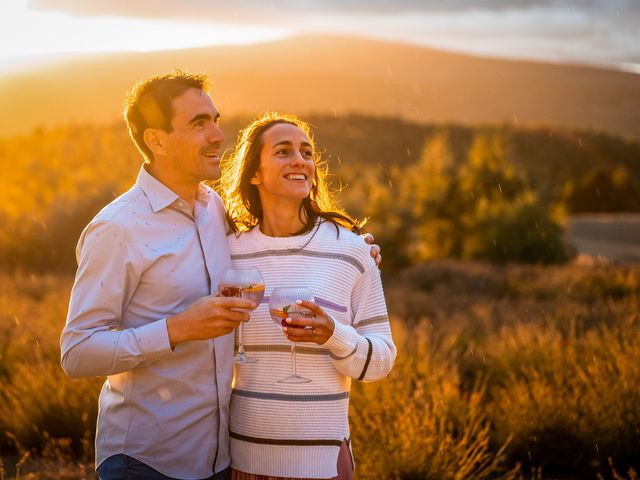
x,y
289,227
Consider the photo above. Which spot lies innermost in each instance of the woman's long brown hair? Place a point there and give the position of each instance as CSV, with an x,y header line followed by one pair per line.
x,y
241,198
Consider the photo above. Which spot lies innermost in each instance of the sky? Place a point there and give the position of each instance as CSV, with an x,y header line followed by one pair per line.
x,y
597,32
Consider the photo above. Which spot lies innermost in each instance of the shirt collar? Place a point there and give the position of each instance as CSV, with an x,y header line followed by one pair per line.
x,y
160,196
204,193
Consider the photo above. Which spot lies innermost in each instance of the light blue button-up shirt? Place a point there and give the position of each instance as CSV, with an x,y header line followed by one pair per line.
x,y
143,258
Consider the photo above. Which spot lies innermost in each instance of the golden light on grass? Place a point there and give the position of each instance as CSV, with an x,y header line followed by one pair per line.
x,y
487,371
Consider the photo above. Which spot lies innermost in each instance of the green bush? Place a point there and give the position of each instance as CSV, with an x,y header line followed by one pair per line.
x,y
522,231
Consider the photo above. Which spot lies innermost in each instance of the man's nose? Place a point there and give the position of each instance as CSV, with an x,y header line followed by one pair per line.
x,y
215,134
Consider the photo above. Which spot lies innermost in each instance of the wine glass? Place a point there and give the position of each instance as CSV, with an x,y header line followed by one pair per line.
x,y
282,305
242,283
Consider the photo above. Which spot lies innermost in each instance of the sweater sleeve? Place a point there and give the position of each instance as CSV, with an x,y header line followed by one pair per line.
x,y
365,349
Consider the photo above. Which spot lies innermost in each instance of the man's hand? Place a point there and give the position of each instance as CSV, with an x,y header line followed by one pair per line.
x,y
375,249
209,317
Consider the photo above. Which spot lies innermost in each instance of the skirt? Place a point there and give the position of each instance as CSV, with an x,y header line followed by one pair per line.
x,y
345,469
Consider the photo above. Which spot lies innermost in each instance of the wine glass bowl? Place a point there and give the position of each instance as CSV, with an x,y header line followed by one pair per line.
x,y
244,283
282,305
251,292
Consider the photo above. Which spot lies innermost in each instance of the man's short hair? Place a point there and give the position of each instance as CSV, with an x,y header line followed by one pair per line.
x,y
149,103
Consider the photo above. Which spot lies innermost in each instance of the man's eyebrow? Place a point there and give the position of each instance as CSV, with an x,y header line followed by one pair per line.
x,y
203,116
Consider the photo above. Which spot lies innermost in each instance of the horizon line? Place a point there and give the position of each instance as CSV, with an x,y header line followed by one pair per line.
x,y
20,64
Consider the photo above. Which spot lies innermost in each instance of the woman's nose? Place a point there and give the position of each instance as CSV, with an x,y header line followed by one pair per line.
x,y
297,158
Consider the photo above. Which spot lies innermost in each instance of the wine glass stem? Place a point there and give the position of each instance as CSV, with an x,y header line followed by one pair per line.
x,y
293,359
240,345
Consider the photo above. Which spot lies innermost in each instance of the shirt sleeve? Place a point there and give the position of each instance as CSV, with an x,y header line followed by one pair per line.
x,y
364,351
92,342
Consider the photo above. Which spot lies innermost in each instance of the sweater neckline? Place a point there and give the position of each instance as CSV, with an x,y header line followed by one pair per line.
x,y
295,241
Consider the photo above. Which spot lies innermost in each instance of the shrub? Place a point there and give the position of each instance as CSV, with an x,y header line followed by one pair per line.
x,y
37,400
541,359
423,423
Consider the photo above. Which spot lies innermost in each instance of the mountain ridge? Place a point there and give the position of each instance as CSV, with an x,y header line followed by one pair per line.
x,y
336,75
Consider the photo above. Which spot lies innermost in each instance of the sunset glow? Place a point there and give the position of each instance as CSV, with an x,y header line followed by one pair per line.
x,y
599,32
30,33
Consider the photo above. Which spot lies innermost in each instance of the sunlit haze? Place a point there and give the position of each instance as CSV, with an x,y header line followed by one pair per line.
x,y
597,32
29,37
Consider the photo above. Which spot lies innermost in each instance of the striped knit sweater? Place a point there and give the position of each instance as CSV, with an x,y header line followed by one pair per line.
x,y
296,430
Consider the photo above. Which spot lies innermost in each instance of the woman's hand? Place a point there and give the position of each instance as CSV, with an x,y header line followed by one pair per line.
x,y
376,252
317,330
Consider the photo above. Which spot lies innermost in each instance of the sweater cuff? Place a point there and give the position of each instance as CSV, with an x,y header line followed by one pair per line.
x,y
153,339
343,342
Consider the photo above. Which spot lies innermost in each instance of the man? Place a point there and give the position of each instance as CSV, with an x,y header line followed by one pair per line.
x,y
142,310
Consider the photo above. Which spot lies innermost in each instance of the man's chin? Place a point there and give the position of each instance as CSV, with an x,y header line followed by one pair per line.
x,y
212,173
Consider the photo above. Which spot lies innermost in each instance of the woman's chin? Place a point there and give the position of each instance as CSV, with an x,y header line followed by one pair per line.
x,y
299,194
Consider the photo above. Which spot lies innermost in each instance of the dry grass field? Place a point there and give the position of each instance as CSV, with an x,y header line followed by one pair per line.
x,y
503,372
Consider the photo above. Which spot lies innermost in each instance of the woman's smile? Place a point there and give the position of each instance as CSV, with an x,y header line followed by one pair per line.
x,y
296,176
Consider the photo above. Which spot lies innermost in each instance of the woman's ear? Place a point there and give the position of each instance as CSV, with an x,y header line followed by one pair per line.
x,y
255,180
154,139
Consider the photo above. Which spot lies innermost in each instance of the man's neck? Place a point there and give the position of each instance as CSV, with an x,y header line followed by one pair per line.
x,y
186,190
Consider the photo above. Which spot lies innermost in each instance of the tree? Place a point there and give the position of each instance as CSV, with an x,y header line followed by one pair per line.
x,y
603,190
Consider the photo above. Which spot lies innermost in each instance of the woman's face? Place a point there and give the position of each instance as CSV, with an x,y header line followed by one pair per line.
x,y
286,164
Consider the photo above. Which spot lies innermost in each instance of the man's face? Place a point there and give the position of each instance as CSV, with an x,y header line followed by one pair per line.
x,y
193,147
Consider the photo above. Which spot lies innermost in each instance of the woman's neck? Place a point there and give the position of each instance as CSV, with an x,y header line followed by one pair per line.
x,y
282,220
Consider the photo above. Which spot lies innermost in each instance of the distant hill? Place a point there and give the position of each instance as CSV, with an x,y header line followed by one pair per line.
x,y
335,76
